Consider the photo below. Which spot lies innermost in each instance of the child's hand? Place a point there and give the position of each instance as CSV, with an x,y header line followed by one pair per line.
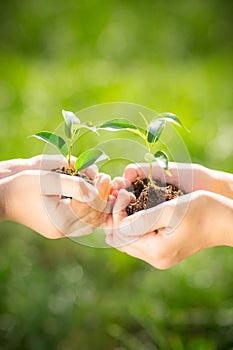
x,y
172,231
33,198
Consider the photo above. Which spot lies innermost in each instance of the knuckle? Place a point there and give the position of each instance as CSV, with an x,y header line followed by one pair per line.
x,y
131,166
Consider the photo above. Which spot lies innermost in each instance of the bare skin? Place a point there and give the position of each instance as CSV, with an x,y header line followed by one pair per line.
x,y
32,197
172,231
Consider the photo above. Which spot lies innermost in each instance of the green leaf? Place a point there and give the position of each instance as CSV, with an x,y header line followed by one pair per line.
x,y
171,118
68,129
88,158
118,124
85,125
54,140
155,129
67,115
70,120
122,124
162,159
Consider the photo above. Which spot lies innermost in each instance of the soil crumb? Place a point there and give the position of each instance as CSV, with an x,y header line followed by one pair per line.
x,y
72,172
149,195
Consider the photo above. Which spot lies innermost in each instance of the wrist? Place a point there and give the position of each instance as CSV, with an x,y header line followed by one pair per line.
x,y
223,183
219,218
204,178
4,192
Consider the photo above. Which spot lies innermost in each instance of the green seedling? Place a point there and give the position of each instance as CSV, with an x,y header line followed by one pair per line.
x,y
150,136
72,128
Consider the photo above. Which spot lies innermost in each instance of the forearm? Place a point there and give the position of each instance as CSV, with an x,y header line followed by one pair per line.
x,y
223,183
211,180
220,220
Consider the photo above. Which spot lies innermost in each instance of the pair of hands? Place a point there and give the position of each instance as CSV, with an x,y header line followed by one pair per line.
x,y
162,235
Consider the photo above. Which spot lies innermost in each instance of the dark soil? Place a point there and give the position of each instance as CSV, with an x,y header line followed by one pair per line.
x,y
71,172
149,195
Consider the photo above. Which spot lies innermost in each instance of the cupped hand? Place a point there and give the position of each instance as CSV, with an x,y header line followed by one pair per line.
x,y
172,231
187,176
33,198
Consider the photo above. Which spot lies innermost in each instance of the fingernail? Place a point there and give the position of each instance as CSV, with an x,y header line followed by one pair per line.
x,y
114,193
120,182
66,201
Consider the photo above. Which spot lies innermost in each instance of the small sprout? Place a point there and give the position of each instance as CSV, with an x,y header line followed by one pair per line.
x,y
72,127
88,158
150,135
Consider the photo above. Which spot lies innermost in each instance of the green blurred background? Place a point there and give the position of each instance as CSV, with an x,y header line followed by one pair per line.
x,y
168,56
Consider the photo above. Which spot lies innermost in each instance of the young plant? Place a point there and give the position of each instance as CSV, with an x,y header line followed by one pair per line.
x,y
72,127
150,135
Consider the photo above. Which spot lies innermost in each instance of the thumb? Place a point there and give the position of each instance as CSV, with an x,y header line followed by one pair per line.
x,y
70,186
132,171
146,221
102,183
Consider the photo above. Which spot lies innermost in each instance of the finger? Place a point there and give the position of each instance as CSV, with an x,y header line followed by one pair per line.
x,y
94,212
59,214
146,221
98,203
132,171
146,249
82,220
69,186
88,215
119,212
108,225
47,162
119,182
142,170
91,171
110,203
102,184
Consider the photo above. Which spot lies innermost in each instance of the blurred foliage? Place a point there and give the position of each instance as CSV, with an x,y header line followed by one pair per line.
x,y
70,54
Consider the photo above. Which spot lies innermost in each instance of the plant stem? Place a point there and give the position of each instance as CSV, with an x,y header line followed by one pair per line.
x,y
70,150
150,173
69,155
151,165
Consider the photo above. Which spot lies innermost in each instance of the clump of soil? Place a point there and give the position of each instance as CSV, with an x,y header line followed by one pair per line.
x,y
72,172
149,195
